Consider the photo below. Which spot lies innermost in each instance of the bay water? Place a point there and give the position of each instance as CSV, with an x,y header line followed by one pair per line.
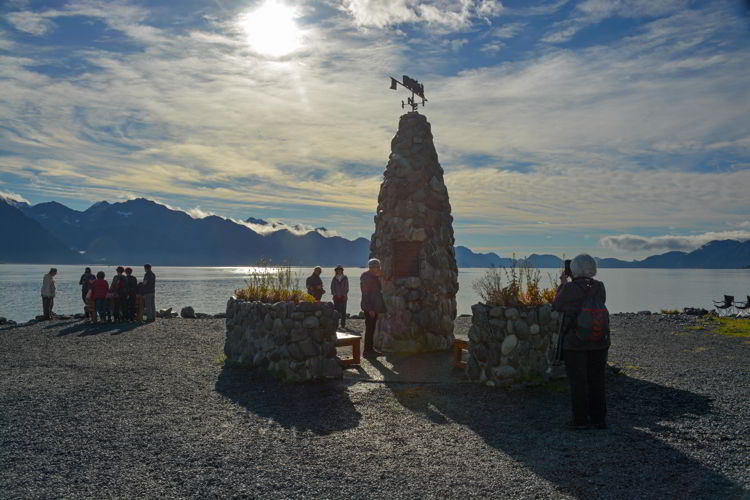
x,y
207,289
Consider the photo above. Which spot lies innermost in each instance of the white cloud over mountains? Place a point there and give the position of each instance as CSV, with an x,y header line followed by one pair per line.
x,y
634,243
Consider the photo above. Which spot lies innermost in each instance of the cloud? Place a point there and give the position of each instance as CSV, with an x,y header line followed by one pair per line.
x,y
8,195
444,14
634,243
198,213
30,22
589,12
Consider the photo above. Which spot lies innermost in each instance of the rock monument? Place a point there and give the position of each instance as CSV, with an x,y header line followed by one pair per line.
x,y
414,241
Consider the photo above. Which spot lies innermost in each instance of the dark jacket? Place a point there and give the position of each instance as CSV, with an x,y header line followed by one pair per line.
x,y
569,300
149,283
118,284
84,281
315,286
340,288
372,293
131,284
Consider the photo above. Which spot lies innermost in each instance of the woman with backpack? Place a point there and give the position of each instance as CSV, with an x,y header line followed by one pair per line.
x,y
117,294
585,341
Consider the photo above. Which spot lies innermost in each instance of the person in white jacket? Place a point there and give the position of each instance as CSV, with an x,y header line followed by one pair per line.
x,y
48,293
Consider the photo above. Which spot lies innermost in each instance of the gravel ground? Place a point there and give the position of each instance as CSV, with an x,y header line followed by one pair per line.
x,y
151,411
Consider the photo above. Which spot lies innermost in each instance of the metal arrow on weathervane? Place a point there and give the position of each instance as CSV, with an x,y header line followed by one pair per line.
x,y
416,89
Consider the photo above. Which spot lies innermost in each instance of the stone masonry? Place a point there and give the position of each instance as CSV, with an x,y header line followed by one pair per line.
x,y
414,241
511,344
296,342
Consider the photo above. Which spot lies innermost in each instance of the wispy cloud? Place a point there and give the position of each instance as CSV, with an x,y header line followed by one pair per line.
x,y
8,195
442,14
635,243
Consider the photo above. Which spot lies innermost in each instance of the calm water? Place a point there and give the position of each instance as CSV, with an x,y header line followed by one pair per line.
x,y
207,288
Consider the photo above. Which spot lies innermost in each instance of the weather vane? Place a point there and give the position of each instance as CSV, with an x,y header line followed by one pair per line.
x,y
416,89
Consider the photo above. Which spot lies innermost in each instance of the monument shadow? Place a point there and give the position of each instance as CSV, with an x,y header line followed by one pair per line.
x,y
319,407
631,459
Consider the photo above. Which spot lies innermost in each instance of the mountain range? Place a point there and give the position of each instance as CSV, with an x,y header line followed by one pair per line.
x,y
141,230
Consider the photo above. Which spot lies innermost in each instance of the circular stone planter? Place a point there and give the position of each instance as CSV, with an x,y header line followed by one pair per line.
x,y
511,344
296,342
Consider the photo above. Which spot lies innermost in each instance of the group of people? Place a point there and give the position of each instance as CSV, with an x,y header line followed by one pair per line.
x,y
583,348
121,300
372,302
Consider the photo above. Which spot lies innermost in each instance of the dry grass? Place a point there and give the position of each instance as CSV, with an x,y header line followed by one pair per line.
x,y
270,284
518,285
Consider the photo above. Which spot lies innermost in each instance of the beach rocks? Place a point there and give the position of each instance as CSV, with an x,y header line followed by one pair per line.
x,y
510,345
295,342
187,312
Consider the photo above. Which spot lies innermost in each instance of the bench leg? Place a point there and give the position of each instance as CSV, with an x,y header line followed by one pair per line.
x,y
355,352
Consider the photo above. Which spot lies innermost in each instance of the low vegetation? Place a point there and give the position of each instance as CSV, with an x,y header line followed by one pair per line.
x,y
518,285
734,327
270,283
670,311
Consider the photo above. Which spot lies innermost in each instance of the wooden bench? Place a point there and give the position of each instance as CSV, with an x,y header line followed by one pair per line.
x,y
459,346
346,339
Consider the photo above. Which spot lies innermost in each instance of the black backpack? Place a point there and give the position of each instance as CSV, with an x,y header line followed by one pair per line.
x,y
592,321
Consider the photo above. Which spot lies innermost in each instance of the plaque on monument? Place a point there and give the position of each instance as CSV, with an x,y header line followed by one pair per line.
x,y
406,258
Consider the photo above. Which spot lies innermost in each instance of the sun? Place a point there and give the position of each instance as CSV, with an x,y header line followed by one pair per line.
x,y
271,29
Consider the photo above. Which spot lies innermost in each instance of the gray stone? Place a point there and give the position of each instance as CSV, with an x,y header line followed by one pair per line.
x,y
186,312
295,352
521,328
298,315
509,344
534,329
511,313
308,348
504,372
311,322
496,312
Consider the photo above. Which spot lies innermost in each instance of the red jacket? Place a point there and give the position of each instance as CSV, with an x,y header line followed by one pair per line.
x,y
100,289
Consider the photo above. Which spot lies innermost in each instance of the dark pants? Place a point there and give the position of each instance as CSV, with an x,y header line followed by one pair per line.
x,y
369,331
47,304
101,309
83,298
587,375
128,303
341,308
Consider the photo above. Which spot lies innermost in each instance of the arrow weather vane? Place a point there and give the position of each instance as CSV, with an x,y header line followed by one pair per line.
x,y
416,89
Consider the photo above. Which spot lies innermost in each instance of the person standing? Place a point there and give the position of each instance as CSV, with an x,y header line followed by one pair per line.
x,y
340,291
48,293
149,291
84,282
117,288
372,303
585,353
99,290
130,289
315,284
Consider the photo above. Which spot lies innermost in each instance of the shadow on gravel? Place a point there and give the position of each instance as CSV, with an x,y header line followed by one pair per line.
x,y
321,408
86,329
633,459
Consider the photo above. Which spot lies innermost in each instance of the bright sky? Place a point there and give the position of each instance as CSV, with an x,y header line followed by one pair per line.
x,y
617,127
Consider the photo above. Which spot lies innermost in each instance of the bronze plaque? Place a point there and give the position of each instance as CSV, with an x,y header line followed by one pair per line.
x,y
406,258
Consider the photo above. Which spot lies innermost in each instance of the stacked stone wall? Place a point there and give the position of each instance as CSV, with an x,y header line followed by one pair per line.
x,y
413,207
296,342
511,344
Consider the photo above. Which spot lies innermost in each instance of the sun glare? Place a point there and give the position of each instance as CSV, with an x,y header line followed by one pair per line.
x,y
271,29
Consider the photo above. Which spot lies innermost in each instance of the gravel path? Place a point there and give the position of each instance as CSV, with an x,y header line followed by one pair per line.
x,y
151,411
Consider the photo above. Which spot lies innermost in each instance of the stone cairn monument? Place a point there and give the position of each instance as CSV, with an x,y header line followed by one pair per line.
x,y
414,241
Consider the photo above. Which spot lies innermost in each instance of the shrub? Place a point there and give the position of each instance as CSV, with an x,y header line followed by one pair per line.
x,y
518,285
269,283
